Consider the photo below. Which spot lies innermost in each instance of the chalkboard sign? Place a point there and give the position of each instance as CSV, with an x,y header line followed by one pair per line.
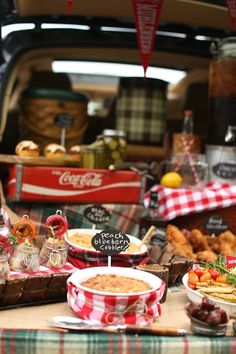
x,y
110,241
63,120
96,214
159,237
225,170
215,224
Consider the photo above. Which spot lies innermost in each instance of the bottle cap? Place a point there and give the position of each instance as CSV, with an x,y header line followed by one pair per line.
x,y
188,113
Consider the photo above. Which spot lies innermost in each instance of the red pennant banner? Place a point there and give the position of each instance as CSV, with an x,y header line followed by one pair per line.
x,y
230,261
231,4
147,15
68,5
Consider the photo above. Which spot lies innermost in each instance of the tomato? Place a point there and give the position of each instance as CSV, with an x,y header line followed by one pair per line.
x,y
199,271
192,279
214,273
222,278
205,277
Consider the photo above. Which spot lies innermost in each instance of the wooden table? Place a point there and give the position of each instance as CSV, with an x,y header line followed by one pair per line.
x,y
25,330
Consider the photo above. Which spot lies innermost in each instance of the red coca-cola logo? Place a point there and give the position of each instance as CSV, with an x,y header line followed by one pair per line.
x,y
89,179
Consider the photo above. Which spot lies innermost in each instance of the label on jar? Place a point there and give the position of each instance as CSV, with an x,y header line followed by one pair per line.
x,y
225,170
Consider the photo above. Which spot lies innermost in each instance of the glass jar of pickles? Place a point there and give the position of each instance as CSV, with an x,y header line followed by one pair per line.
x,y
115,146
92,156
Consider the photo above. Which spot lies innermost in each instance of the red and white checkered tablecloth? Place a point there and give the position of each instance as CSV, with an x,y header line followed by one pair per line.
x,y
68,268
182,201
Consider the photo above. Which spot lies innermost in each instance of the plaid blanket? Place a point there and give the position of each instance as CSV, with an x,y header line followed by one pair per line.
x,y
34,342
84,259
124,217
141,110
177,202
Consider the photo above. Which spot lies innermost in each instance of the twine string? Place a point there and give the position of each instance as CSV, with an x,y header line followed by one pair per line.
x,y
137,307
55,257
28,260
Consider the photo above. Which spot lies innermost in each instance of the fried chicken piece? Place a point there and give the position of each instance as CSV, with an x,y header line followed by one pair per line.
x,y
206,256
198,241
226,242
181,246
175,236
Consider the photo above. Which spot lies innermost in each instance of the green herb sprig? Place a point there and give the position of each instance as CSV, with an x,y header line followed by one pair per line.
x,y
220,266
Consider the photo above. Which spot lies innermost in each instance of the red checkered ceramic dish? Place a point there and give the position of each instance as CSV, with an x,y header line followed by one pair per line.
x,y
115,308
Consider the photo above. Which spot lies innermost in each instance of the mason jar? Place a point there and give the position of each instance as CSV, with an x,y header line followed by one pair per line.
x,y
222,90
53,253
25,258
92,157
115,146
4,266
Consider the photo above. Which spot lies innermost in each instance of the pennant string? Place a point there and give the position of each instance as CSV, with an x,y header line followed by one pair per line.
x,y
69,4
231,4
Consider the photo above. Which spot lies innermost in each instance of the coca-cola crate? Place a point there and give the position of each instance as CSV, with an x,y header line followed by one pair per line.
x,y
71,185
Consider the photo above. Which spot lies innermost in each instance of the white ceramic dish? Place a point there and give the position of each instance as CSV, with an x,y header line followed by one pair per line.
x,y
70,232
195,296
84,274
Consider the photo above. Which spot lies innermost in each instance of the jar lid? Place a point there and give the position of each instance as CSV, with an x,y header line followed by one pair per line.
x,y
226,47
113,132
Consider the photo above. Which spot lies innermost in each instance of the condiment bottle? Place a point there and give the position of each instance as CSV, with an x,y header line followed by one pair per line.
x,y
188,122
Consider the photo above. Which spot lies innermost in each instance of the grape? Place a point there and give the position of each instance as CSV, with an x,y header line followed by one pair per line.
x,y
207,304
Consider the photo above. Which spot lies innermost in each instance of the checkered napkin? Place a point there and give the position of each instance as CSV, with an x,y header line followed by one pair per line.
x,y
85,259
178,202
68,268
114,310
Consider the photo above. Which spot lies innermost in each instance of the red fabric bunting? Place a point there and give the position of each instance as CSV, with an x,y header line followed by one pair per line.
x,y
230,262
68,5
147,14
231,4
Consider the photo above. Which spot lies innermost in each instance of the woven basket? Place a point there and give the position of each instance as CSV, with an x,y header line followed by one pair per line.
x,y
39,108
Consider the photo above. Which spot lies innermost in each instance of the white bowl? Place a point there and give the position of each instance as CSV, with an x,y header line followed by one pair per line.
x,y
84,274
195,296
143,248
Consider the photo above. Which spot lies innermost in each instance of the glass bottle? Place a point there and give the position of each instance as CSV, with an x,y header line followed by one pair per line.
x,y
188,122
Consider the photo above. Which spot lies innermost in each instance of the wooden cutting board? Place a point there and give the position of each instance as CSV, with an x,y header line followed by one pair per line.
x,y
39,161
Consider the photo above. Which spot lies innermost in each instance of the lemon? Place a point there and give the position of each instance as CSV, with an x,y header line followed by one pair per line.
x,y
171,180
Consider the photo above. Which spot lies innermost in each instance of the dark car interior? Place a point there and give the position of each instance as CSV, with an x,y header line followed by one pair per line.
x,y
105,32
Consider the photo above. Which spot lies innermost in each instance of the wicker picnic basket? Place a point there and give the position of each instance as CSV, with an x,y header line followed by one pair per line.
x,y
40,107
